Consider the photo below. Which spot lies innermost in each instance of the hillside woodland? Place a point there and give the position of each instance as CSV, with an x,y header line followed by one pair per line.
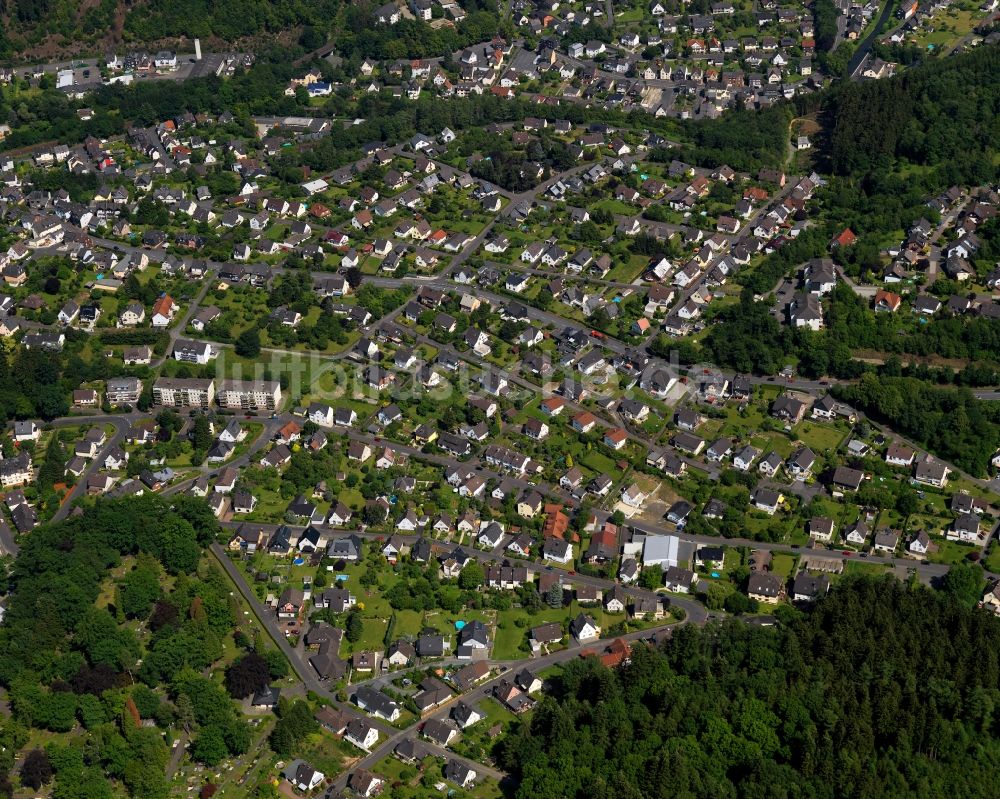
x,y
882,690
112,619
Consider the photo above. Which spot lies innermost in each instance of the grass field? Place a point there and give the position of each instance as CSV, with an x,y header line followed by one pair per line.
x,y
819,438
992,561
627,271
325,752
951,552
858,567
474,742
783,563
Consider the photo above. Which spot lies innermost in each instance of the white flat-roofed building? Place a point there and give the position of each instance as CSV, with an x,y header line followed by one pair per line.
x,y
120,390
189,351
255,395
181,392
662,550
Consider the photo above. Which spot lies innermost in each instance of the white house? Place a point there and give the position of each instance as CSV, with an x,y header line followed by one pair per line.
x,y
584,628
361,734
303,776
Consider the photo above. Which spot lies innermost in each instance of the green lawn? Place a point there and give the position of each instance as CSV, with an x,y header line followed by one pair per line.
x,y
513,626
783,563
325,752
599,462
627,271
405,781
860,567
474,742
818,437
372,639
408,623
951,552
992,561
773,442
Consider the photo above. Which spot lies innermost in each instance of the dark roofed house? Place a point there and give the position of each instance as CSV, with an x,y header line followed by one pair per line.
x,y
303,776
886,540
332,719
467,677
410,750
439,732
401,653
432,693
466,715
375,702
512,697
551,633
362,734
931,472
430,645
459,773
847,479
807,588
788,409
266,697
765,587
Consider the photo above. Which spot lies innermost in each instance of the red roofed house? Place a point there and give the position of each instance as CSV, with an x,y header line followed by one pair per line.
x,y
844,239
163,311
337,238
640,326
552,406
583,422
887,301
603,544
616,653
288,433
556,523
615,438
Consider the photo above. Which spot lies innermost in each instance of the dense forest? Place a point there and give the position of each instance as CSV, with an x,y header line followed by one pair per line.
x,y
224,19
155,20
825,21
516,170
949,422
360,37
745,140
309,22
882,690
941,115
748,337
88,643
